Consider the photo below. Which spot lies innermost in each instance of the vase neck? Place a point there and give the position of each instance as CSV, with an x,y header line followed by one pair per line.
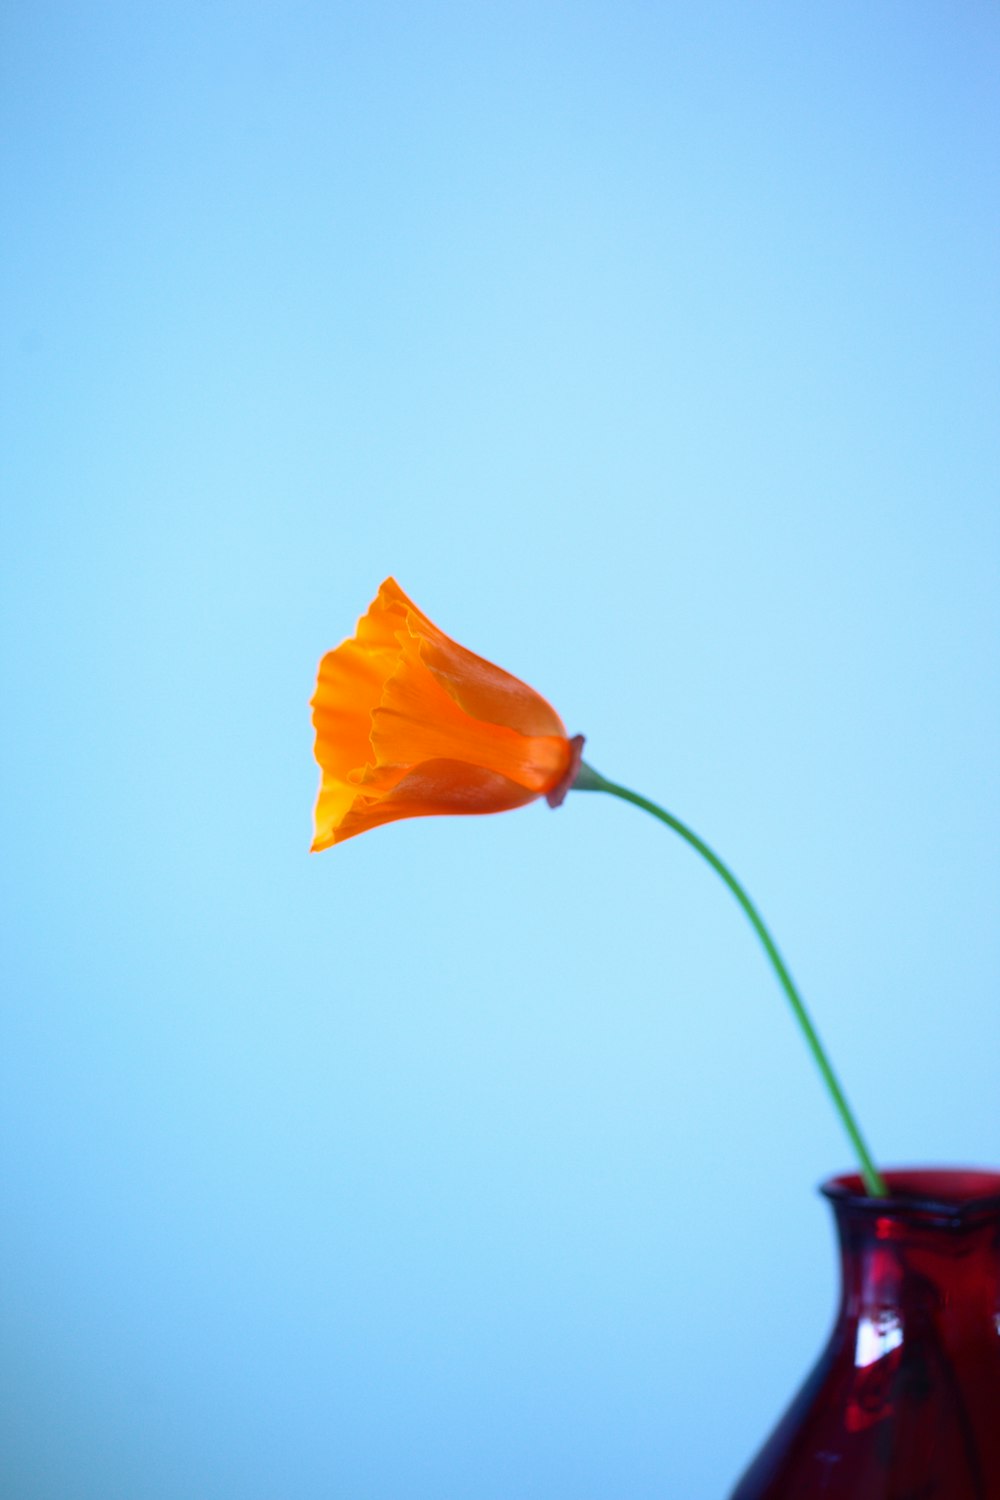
x,y
913,1252
887,1263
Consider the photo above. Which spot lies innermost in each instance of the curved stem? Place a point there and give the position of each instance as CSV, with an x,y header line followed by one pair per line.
x,y
589,780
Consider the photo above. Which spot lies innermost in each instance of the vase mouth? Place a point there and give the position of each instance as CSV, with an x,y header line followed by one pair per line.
x,y
943,1194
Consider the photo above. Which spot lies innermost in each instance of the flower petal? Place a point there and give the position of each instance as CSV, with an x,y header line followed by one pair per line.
x,y
433,788
484,690
333,804
417,720
350,682
348,686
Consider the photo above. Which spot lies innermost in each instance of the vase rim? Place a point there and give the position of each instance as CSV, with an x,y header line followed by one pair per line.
x,y
952,1194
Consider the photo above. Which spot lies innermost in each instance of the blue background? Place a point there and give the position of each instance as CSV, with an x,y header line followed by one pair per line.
x,y
654,349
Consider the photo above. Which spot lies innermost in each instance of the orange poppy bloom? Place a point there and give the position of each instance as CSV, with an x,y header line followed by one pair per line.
x,y
409,724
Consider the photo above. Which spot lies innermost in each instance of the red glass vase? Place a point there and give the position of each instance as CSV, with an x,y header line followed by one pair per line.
x,y
904,1402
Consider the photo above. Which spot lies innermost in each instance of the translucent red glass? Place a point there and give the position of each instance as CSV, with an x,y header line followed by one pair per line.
x,y
904,1402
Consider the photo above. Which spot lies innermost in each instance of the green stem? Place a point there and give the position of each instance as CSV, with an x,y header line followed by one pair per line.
x,y
589,780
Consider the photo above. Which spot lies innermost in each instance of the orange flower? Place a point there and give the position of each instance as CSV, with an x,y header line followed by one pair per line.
x,y
408,723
